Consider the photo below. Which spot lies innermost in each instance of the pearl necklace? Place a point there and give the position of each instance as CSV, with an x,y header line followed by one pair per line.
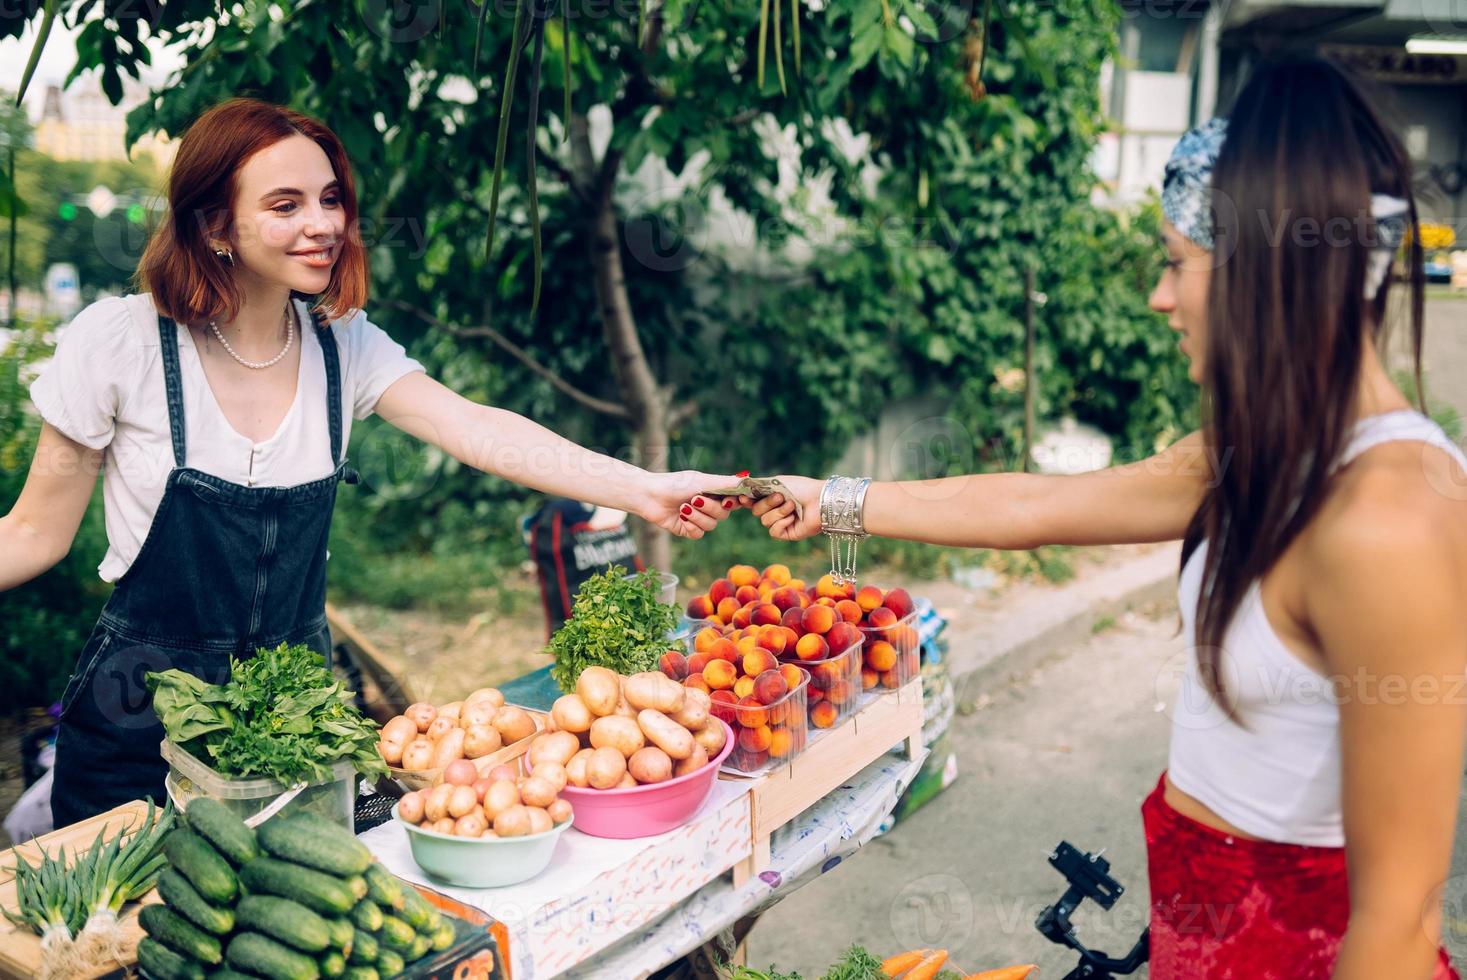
x,y
260,365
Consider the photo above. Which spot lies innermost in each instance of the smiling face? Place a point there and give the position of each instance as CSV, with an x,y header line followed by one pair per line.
x,y
1182,293
289,217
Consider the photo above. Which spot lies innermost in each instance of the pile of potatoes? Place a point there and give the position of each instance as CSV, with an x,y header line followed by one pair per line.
x,y
424,737
502,803
618,732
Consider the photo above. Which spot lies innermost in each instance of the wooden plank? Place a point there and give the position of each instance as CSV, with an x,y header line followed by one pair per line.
x,y
389,677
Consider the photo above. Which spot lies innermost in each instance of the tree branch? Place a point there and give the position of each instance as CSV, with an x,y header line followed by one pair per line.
x,y
680,413
613,409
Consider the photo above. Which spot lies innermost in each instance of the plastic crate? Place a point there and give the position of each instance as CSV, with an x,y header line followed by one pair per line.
x,y
835,686
767,735
893,653
188,779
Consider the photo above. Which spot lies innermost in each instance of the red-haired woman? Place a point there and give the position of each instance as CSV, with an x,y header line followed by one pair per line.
x,y
217,406
1304,825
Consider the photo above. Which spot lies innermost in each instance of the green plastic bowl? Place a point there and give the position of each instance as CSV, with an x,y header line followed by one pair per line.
x,y
481,862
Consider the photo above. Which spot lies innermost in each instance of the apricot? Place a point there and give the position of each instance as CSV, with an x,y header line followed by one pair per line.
x,y
721,704
769,686
792,676
774,639
826,601
880,656
900,602
791,637
743,617
812,646
890,679
746,594
778,574
842,637
849,611
793,619
880,618
720,675
869,678
765,614
697,681
823,715
758,661
827,588
868,598
798,584
724,649
905,637
726,608
840,692
698,661
755,739
743,688
704,639
741,575
720,590
785,598
818,619
746,645
781,743
700,607
674,665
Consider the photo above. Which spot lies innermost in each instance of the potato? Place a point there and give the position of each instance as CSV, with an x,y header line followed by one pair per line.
x,y
460,772
477,713
451,710
441,726
505,770
650,765
605,768
628,781
622,734
435,807
481,740
400,729
553,774
624,710
693,715
489,835
490,694
448,748
575,769
692,763
556,747
418,754
570,714
481,786
665,733
391,752
463,800
537,791
599,688
513,822
539,820
444,826
471,824
560,811
514,723
654,689
410,807
711,737
500,796
421,715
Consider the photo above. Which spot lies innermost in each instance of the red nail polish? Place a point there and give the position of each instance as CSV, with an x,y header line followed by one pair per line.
x,y
685,510
728,505
697,501
741,474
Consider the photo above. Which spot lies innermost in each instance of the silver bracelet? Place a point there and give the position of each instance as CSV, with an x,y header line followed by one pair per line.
x,y
842,519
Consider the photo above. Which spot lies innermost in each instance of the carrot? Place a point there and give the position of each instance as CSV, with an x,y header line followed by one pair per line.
x,y
929,966
1004,973
895,966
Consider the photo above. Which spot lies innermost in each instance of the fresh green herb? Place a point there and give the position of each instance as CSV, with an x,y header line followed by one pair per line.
x,y
281,715
617,623
856,964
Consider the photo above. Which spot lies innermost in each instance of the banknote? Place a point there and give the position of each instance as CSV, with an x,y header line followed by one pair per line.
x,y
758,487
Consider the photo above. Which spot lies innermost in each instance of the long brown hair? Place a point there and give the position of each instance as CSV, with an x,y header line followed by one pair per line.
x,y
1287,318
188,281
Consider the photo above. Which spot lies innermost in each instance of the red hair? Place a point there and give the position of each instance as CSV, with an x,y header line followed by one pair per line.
x,y
188,281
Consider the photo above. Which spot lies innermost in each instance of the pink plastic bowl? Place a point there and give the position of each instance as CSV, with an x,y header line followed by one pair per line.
x,y
645,811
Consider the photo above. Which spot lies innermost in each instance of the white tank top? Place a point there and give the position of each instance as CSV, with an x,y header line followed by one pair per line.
x,y
1278,778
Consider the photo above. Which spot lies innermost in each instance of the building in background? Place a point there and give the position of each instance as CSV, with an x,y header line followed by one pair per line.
x,y
78,123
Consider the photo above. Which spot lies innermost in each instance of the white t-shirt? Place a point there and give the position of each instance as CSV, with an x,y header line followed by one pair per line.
x,y
104,388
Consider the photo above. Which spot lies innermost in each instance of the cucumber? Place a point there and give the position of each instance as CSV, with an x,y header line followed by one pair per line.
x,y
421,944
396,934
342,933
251,952
416,911
316,891
358,886
158,962
333,964
213,821
389,964
179,934
225,973
203,866
366,916
184,899
360,972
316,843
282,919
364,948
384,888
444,936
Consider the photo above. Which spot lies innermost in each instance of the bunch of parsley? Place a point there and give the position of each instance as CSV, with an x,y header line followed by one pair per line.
x,y
281,715
616,623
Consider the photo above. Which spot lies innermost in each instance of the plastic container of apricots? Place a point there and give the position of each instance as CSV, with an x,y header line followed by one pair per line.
x,y
835,686
892,654
766,735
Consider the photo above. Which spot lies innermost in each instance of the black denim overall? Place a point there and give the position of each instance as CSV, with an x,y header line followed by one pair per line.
x,y
225,569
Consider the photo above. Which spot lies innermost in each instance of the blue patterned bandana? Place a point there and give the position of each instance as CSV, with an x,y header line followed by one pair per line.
x,y
1184,197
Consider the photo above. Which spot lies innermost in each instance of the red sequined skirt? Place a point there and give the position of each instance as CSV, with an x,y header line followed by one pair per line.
x,y
1226,908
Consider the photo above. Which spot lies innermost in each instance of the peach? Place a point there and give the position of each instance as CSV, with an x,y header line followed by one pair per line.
x,y
900,602
743,688
868,598
781,742
791,637
746,594
785,598
726,609
705,638
724,649
825,600
751,712
697,681
881,618
798,584
818,619
778,574
840,691
769,686
720,590
905,637
813,696
743,617
830,673
774,639
842,637
674,665
746,645
792,676
755,738
792,618
823,715
743,575
849,611
700,607
720,675
698,661
880,656
721,703
869,678
890,679
812,646
757,661
826,587
765,614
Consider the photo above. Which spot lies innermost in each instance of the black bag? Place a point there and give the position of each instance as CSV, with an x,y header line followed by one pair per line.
x,y
567,551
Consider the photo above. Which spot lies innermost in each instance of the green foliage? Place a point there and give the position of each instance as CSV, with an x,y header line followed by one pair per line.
x,y
45,623
617,622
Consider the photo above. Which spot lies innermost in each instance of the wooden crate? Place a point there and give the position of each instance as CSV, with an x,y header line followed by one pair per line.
x,y
20,948
780,796
424,778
